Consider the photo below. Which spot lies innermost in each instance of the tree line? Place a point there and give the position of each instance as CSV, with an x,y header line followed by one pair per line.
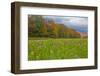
x,y
41,27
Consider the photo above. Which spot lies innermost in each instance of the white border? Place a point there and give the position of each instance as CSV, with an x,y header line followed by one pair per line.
x,y
25,64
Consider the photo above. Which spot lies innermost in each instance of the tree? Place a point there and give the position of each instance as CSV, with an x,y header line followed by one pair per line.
x,y
52,28
61,30
34,25
43,30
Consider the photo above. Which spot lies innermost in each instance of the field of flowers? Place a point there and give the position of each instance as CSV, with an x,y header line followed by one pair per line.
x,y
60,48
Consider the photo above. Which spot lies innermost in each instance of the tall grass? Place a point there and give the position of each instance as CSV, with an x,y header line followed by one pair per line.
x,y
49,48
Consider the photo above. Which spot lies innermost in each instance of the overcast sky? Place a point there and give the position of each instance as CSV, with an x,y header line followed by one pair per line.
x,y
78,23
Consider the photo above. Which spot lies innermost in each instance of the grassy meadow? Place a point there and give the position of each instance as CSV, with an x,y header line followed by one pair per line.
x,y
57,48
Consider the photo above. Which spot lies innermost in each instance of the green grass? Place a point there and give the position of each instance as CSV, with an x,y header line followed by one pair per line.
x,y
49,48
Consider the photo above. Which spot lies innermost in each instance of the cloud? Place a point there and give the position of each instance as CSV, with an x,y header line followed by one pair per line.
x,y
79,21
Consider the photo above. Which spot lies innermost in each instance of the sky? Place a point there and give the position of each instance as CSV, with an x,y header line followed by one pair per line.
x,y
80,24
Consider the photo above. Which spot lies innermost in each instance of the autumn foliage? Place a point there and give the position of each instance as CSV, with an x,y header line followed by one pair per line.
x,y
40,27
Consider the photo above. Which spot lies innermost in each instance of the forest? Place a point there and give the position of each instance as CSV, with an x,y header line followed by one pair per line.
x,y
41,27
